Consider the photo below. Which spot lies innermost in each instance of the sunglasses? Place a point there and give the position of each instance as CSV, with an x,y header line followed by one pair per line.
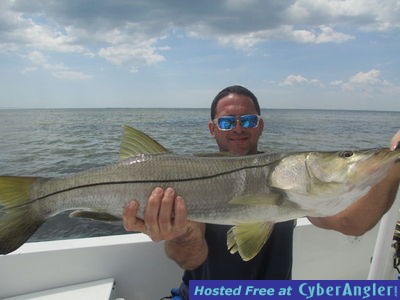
x,y
226,123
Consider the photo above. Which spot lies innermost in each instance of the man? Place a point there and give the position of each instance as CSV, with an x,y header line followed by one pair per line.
x,y
200,249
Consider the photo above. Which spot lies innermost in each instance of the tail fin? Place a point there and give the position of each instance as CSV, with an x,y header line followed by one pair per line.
x,y
18,220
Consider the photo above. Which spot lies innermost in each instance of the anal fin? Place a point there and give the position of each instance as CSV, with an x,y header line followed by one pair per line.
x,y
95,215
248,239
270,198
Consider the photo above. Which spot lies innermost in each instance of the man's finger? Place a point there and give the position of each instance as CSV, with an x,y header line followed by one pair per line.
x,y
166,210
152,211
180,220
129,220
395,143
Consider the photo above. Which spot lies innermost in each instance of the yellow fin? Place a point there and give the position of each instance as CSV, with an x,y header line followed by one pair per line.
x,y
94,215
14,190
248,239
18,218
135,142
272,198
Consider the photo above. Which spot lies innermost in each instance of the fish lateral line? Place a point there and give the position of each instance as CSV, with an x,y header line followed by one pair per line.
x,y
161,181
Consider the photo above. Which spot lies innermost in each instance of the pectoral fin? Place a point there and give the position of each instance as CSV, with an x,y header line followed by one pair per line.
x,y
95,215
271,198
248,239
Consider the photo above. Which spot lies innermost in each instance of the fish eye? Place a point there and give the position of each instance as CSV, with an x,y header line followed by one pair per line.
x,y
346,154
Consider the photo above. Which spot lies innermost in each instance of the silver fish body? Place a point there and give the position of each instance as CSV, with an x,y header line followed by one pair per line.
x,y
207,185
251,192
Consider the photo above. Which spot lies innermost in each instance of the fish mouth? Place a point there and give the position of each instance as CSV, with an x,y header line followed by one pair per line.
x,y
378,162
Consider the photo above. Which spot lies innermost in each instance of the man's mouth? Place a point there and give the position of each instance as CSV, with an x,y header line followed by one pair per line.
x,y
239,139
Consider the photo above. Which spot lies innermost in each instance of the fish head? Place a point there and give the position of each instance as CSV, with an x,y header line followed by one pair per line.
x,y
342,171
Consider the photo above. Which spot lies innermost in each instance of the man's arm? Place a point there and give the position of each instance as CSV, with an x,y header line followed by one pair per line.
x,y
165,218
366,212
189,250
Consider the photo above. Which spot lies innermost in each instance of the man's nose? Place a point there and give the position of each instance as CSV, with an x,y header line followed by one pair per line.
x,y
238,127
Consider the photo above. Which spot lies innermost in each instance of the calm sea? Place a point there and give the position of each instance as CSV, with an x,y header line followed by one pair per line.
x,y
55,142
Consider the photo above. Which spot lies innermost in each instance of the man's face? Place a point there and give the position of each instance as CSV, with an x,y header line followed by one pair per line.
x,y
239,140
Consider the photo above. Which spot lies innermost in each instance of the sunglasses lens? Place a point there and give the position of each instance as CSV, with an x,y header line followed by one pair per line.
x,y
226,123
249,121
229,122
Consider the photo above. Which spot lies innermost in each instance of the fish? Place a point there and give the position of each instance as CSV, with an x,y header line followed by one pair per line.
x,y
251,192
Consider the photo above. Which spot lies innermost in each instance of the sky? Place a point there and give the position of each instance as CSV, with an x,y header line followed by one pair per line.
x,y
302,54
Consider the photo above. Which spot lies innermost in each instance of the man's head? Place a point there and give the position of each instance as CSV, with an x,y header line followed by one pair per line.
x,y
236,101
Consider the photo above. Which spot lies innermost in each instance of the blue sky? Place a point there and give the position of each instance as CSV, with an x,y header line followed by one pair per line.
x,y
290,53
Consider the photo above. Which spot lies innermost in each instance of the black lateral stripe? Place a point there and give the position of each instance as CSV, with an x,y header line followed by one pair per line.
x,y
150,181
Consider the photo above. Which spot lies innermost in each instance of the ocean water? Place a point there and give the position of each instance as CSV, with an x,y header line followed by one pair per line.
x,y
57,142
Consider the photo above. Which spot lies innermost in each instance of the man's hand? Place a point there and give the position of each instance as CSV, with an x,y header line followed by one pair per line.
x,y
165,216
395,143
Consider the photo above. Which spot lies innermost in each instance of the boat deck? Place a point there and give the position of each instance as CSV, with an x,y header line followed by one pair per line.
x,y
141,270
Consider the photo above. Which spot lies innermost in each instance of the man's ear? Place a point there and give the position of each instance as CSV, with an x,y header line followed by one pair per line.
x,y
211,128
261,125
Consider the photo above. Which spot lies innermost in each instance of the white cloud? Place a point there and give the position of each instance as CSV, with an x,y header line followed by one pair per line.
x,y
292,80
140,53
370,77
364,80
46,38
37,58
370,83
359,14
322,34
63,72
22,31
133,69
39,61
336,83
128,32
329,35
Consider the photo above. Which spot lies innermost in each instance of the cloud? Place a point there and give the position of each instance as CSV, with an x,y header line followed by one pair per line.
x,y
39,61
368,81
370,84
328,35
292,80
365,80
19,31
336,83
370,77
130,32
141,53
320,35
371,15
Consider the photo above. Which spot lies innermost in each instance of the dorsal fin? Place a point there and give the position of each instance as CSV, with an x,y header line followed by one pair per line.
x,y
135,142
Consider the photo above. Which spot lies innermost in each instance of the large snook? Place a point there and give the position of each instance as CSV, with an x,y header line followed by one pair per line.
x,y
251,192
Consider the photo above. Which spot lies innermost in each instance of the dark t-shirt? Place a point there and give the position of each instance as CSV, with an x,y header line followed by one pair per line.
x,y
274,261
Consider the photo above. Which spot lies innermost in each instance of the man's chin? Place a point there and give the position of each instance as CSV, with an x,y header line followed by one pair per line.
x,y
239,151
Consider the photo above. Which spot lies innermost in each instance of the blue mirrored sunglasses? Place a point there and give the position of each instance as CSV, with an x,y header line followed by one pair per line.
x,y
229,122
